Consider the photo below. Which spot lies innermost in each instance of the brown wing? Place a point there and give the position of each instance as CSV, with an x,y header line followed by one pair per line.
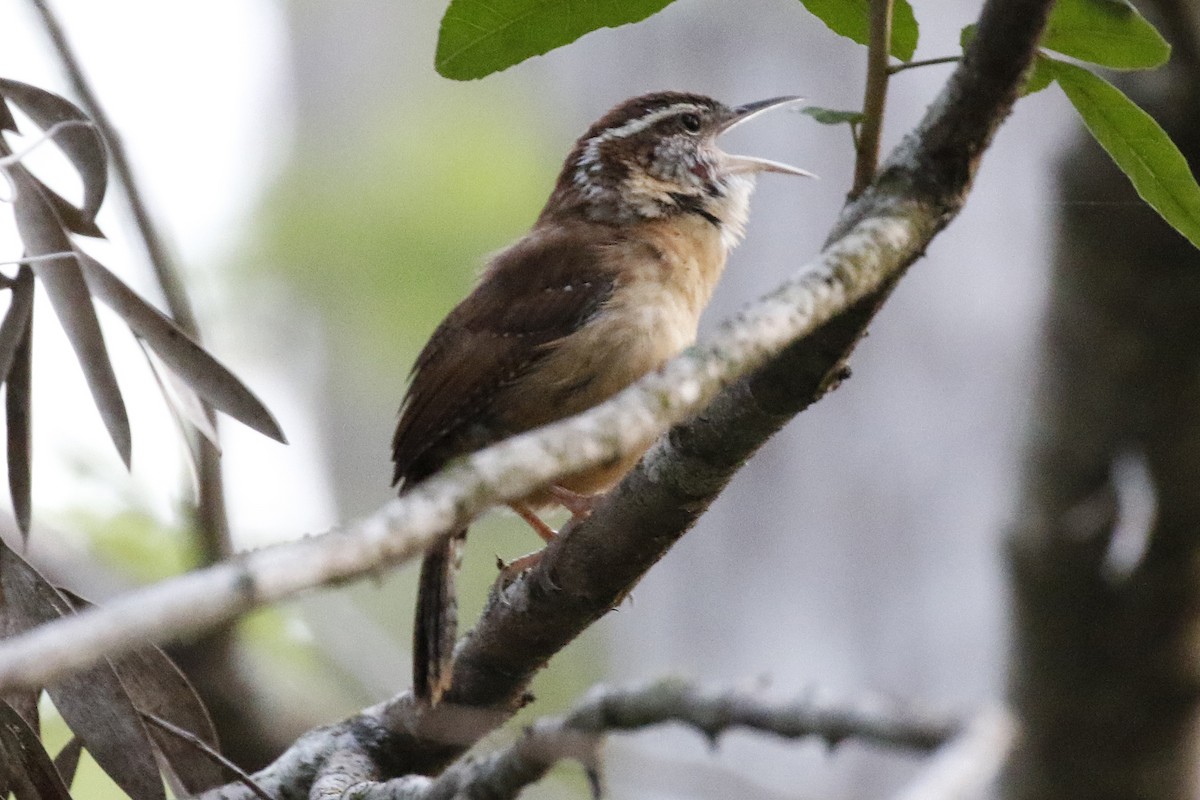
x,y
541,289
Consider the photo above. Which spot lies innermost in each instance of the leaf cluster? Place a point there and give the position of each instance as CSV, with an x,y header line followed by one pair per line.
x,y
49,227
478,37
120,711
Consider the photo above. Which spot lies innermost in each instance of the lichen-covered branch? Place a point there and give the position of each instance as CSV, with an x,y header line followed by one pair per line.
x,y
348,765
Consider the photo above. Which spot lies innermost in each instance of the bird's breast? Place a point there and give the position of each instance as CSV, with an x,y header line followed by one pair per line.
x,y
666,273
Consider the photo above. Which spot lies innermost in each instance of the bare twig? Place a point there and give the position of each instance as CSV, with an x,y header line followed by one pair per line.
x,y
577,736
928,62
874,95
204,747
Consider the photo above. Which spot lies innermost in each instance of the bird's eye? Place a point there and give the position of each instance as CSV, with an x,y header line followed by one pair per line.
x,y
690,123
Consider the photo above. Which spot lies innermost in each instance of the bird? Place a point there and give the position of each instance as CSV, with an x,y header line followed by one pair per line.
x,y
607,286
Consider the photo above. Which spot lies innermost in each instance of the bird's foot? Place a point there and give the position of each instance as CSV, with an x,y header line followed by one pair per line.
x,y
512,570
580,505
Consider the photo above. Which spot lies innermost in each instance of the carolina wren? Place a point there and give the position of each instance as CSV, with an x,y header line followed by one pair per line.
x,y
607,286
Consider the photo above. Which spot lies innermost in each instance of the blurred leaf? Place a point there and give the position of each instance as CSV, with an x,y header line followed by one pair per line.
x,y
67,760
23,701
18,408
187,407
92,701
191,362
79,141
25,767
479,37
7,121
851,18
43,234
158,688
1140,148
1110,33
829,116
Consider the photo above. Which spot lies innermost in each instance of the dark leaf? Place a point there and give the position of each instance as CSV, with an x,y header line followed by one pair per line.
x,y
43,234
12,330
1138,146
851,18
829,116
18,408
479,37
71,217
7,122
188,360
158,688
93,702
23,701
25,767
67,760
81,143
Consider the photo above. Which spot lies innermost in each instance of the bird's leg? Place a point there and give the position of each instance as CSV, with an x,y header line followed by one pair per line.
x,y
534,521
580,505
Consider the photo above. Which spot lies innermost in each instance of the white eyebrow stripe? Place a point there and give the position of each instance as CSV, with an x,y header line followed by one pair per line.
x,y
639,124
590,158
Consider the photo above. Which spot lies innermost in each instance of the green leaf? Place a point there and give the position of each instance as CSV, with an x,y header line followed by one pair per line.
x,y
851,18
479,37
829,116
1140,148
1110,33
1040,76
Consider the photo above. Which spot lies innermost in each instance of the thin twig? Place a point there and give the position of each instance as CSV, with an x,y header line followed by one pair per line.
x,y
928,62
874,95
204,747
47,135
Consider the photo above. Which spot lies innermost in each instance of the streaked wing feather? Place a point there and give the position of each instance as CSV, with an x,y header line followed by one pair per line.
x,y
532,295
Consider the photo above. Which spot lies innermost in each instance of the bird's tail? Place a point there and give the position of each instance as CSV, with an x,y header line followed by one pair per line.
x,y
436,626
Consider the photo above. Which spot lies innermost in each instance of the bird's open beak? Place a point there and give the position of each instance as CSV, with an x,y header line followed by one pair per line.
x,y
735,165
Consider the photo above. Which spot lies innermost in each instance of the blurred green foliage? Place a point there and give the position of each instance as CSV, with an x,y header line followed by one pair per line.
x,y
384,231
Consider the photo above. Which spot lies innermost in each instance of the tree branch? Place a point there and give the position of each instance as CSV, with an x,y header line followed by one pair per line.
x,y
606,710
759,370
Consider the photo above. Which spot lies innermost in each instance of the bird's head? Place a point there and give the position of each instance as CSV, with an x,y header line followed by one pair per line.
x,y
657,155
